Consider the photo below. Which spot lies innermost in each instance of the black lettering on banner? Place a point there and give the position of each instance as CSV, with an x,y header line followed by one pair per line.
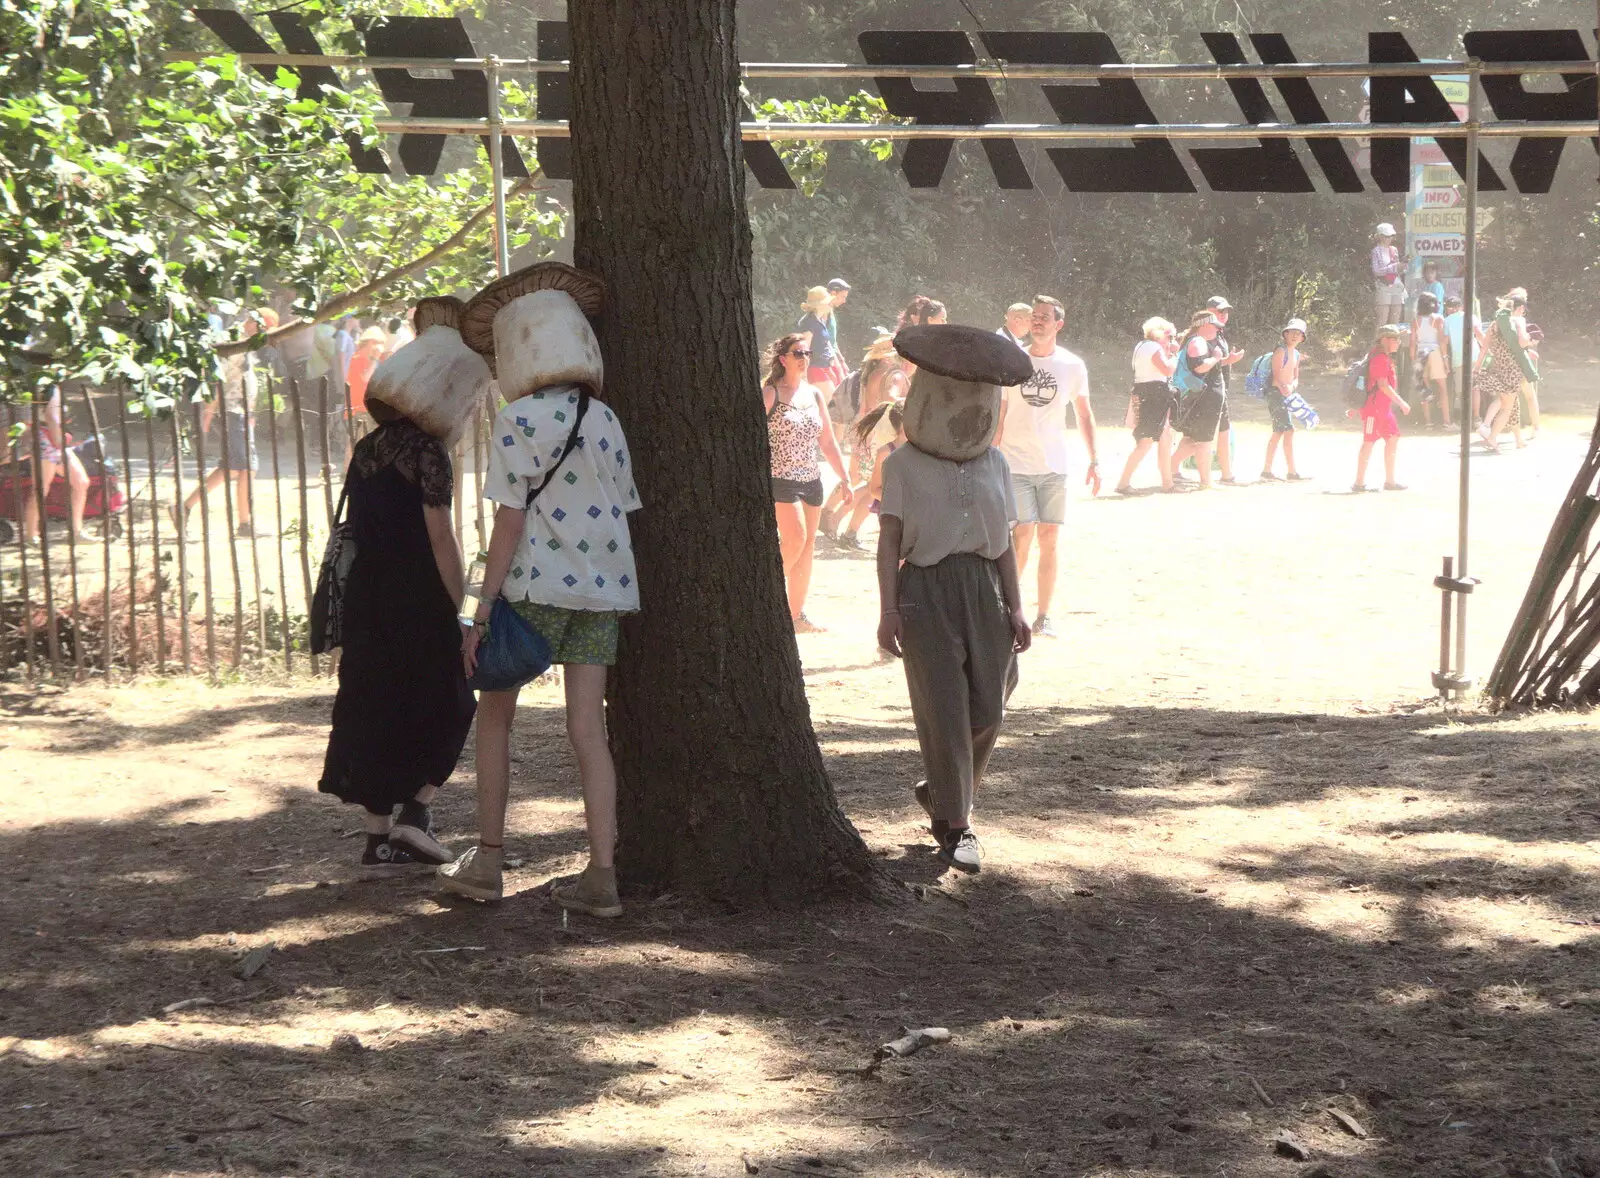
x,y
1305,107
464,95
971,101
1534,163
1272,166
1407,100
1150,165
552,98
237,34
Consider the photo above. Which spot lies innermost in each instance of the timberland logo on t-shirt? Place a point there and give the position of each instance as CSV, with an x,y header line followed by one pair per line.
x,y
1040,389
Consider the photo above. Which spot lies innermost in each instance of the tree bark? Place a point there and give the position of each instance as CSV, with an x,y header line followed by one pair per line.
x,y
722,789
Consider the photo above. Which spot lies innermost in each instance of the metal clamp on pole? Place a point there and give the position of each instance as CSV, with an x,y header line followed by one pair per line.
x,y
1447,679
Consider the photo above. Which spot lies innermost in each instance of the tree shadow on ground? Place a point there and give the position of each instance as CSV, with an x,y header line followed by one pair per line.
x,y
1161,943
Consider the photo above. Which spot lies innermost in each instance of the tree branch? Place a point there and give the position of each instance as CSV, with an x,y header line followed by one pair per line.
x,y
349,301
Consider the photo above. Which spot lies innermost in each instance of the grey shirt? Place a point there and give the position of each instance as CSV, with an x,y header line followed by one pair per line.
x,y
949,507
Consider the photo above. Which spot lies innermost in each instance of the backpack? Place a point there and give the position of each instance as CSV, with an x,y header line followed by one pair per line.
x,y
1184,378
847,398
1355,384
1259,378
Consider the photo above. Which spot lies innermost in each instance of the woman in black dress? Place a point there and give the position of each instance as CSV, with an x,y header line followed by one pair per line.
x,y
403,708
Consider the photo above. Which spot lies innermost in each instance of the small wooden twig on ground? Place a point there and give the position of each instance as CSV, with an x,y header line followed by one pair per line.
x,y
205,1130
9,1134
1261,1093
1348,1123
922,928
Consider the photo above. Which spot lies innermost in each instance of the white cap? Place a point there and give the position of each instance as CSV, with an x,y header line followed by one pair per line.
x,y
1295,325
1385,229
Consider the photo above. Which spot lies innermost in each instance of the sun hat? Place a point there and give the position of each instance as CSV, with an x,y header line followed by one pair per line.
x,y
1295,325
435,380
817,300
372,335
953,407
1204,319
838,284
881,349
1384,229
477,321
1390,329
1218,303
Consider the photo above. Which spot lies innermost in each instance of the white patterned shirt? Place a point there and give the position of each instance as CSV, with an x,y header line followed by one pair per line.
x,y
575,551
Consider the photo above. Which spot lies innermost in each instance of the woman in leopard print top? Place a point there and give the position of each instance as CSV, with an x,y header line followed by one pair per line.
x,y
797,425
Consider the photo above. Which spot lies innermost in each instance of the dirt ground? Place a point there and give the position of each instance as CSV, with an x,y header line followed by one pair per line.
x,y
1240,878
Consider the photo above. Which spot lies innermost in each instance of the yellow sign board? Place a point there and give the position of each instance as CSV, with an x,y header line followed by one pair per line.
x,y
1438,220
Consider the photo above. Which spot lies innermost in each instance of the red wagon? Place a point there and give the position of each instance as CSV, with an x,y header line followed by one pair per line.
x,y
106,501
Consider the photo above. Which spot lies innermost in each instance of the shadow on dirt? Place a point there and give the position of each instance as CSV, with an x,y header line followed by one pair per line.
x,y
1109,1015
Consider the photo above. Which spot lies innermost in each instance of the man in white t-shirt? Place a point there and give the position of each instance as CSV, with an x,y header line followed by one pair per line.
x,y
1034,425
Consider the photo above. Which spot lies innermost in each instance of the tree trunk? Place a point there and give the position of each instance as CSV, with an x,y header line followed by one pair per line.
x,y
722,790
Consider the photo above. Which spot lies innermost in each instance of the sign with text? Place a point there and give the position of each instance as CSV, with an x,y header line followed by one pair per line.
x,y
1142,165
1440,245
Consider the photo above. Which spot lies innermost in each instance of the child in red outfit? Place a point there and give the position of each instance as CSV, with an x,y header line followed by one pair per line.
x,y
1377,415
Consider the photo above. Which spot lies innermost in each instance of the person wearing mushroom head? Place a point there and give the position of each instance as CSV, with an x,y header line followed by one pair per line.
x,y
402,712
947,571
560,553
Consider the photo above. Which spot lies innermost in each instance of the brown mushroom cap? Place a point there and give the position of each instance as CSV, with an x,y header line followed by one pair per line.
x,y
477,321
438,311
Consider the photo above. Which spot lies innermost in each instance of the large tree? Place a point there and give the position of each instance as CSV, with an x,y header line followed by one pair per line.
x,y
723,789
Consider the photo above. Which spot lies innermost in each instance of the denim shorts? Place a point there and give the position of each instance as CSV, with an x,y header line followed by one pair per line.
x,y
1041,498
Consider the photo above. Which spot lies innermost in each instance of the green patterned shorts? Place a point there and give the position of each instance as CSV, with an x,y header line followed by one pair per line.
x,y
575,635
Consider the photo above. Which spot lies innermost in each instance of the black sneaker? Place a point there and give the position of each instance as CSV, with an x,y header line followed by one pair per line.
x,y
383,855
962,851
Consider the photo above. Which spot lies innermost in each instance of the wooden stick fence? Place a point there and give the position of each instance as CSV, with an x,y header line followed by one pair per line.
x,y
1549,654
143,597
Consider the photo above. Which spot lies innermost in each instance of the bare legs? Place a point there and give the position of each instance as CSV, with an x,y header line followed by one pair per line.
x,y
1390,448
241,493
380,823
586,731
797,540
77,495
1022,537
1494,425
1163,449
1286,441
1200,452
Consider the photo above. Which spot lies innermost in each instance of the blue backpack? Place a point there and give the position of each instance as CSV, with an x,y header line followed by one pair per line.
x,y
1259,378
1184,378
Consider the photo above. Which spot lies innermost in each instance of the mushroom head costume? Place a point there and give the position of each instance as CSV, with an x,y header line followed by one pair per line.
x,y
953,407
533,328
435,380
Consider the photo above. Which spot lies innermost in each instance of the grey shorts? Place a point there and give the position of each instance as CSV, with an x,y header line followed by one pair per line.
x,y
241,450
1041,498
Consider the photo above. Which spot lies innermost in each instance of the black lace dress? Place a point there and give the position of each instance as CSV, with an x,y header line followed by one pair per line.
x,y
403,708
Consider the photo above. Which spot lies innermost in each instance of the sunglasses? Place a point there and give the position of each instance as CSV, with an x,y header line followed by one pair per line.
x,y
801,352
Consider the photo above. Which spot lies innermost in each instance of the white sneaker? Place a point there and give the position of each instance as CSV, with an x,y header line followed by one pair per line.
x,y
1043,627
963,851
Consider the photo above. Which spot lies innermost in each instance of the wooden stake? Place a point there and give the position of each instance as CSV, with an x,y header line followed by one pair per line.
x,y
277,495
205,541
229,483
27,596
52,640
105,526
133,539
305,514
183,540
251,462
